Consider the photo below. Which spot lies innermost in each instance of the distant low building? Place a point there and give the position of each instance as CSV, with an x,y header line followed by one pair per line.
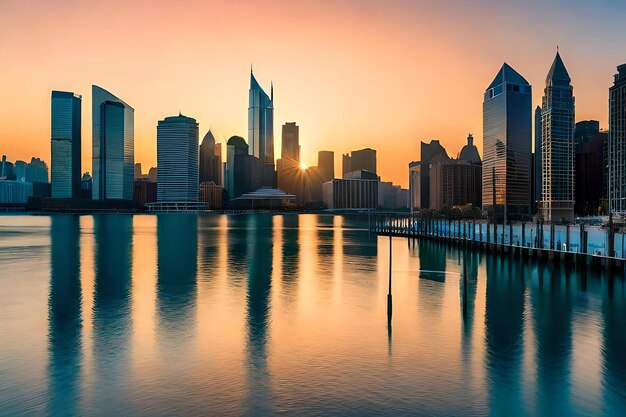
x,y
15,192
144,192
211,194
351,193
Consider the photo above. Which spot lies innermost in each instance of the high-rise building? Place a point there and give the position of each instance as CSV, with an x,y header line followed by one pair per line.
x,y
617,142
414,185
364,159
290,143
590,175
537,160
65,144
177,160
430,153
507,144
152,174
218,166
326,165
137,174
346,164
113,151
557,144
207,157
237,176
261,130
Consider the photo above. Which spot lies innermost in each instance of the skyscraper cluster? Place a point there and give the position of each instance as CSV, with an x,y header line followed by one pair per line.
x,y
575,168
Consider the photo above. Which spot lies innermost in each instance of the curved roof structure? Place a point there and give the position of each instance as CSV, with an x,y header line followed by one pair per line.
x,y
266,193
209,137
469,152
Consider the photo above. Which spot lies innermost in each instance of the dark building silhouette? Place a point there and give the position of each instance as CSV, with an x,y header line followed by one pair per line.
x,y
346,164
557,138
429,154
65,144
210,160
590,167
507,144
290,149
617,142
363,159
291,178
243,171
326,165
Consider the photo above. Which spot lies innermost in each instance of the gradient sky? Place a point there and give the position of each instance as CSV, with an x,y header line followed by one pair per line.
x,y
352,74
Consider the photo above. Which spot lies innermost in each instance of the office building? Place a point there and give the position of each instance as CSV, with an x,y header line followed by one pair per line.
x,y
557,144
138,174
152,174
211,194
617,142
177,160
363,159
326,165
210,160
536,183
290,143
261,130
414,185
507,145
430,153
590,174
346,164
65,144
237,178
113,152
353,193
456,182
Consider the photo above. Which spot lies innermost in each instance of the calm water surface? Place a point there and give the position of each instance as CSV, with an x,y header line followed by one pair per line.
x,y
287,314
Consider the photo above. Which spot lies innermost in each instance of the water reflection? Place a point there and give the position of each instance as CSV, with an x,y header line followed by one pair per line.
x,y
260,250
290,254
64,316
112,331
177,240
504,327
614,346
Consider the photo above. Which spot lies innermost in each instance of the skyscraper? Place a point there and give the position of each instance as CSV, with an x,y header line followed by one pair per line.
x,y
177,160
290,143
507,143
113,152
617,142
261,130
65,144
537,159
364,159
557,144
326,165
430,153
346,164
207,158
237,176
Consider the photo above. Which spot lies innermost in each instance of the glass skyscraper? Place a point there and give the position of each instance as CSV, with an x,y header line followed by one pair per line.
x,y
557,145
65,144
177,160
617,142
113,151
507,144
261,130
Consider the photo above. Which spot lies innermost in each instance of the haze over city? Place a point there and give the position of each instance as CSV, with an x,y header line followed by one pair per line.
x,y
352,74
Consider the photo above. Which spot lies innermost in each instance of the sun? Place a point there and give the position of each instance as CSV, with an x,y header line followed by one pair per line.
x,y
303,166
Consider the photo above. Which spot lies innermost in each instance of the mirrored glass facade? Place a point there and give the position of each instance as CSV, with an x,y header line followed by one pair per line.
x,y
617,142
507,144
65,144
113,146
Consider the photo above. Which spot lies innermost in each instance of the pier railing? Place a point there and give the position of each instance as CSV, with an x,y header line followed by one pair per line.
x,y
540,239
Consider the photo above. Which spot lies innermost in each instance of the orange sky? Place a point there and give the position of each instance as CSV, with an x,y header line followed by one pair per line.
x,y
351,73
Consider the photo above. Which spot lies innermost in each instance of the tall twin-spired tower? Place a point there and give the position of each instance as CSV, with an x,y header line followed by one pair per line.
x,y
507,136
261,130
557,145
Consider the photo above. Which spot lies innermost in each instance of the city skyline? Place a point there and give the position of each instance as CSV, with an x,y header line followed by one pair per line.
x,y
308,90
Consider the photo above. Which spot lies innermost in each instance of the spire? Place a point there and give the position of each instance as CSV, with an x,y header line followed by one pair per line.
x,y
557,70
509,75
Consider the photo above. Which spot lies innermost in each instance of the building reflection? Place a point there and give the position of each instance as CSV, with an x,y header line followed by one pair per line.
x,y
432,263
614,344
552,322
237,253
290,252
65,352
177,255
504,326
360,254
260,259
210,239
113,234
468,287
325,243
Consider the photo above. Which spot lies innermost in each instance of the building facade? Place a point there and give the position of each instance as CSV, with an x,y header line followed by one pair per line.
x,y
177,160
351,193
363,159
590,174
65,144
617,142
414,185
326,165
210,160
113,146
536,184
507,145
261,130
557,145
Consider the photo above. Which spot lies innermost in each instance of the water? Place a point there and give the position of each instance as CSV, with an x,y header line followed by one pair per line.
x,y
268,315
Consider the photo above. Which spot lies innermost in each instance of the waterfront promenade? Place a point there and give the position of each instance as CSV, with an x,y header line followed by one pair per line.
x,y
572,244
